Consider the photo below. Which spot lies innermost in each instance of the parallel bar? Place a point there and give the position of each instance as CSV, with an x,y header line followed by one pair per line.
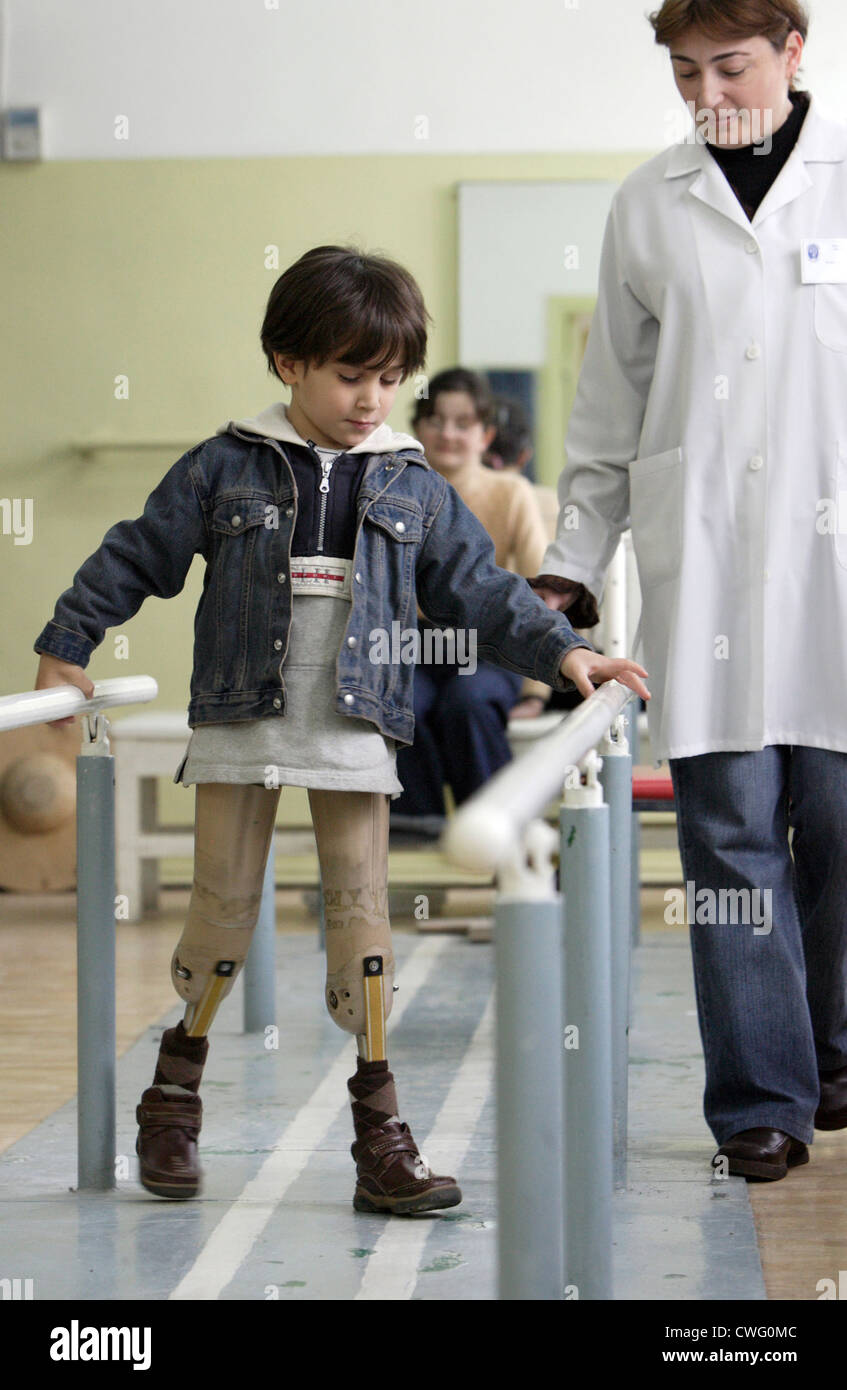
x,y
616,780
95,812
484,831
588,1065
260,965
528,953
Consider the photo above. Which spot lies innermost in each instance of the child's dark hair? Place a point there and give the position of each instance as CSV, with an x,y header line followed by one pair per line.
x,y
335,300
458,379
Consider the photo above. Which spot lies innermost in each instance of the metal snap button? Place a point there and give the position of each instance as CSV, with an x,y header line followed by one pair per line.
x,y
348,699
358,577
351,641
289,511
399,526
277,702
277,644
236,521
280,578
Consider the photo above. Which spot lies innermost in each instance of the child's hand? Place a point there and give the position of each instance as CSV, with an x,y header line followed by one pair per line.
x,y
581,666
52,671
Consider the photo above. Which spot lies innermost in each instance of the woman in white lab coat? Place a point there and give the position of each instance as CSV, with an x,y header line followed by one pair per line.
x,y
711,416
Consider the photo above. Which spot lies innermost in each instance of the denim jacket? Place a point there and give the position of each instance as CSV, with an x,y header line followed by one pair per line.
x,y
233,500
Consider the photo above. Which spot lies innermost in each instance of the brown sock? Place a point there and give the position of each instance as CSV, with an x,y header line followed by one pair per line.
x,y
181,1059
372,1096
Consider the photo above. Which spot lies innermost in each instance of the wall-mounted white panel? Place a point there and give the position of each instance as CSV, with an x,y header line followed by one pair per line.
x,y
519,243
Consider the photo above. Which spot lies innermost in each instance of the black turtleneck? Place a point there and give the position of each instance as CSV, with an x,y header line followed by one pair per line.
x,y
749,170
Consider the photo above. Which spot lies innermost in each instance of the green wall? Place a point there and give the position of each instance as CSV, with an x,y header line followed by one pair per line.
x,y
155,269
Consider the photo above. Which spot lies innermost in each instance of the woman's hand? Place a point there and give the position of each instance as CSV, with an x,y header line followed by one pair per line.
x,y
52,671
582,666
528,708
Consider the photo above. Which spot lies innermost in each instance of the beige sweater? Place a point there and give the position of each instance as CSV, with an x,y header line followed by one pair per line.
x,y
508,508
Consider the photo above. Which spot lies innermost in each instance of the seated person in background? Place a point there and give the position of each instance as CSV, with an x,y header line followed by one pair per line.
x,y
460,717
511,450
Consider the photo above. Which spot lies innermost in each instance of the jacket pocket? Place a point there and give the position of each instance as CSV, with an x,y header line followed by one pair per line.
x,y
831,316
399,522
655,499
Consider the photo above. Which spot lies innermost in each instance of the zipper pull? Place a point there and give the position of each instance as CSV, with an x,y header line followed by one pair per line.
x,y
323,485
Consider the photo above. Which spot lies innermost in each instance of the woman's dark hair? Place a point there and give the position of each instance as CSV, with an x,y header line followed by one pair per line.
x,y
513,435
743,19
336,302
458,379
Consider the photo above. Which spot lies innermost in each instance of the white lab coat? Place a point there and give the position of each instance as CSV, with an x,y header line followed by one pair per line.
x,y
711,416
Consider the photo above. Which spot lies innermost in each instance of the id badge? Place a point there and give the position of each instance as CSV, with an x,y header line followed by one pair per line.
x,y
824,261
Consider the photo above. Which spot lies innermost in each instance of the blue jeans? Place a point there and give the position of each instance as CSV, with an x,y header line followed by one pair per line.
x,y
460,735
772,1004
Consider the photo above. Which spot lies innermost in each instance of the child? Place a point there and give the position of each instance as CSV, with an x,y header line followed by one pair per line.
x,y
319,525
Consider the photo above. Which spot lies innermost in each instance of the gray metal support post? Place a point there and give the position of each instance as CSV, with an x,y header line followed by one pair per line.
x,y
260,965
584,827
95,955
616,780
634,745
528,931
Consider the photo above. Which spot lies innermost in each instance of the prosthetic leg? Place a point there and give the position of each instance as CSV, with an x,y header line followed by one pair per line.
x,y
233,828
351,829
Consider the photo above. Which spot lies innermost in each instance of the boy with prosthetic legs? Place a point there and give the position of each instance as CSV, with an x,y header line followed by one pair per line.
x,y
320,526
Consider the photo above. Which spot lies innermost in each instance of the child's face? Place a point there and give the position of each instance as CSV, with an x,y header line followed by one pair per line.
x,y
338,405
453,435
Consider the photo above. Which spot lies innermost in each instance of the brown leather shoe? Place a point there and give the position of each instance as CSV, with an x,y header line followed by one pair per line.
x,y
763,1153
392,1177
169,1118
832,1109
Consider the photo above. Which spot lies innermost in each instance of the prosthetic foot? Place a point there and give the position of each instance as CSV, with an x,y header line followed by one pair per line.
x,y
391,1175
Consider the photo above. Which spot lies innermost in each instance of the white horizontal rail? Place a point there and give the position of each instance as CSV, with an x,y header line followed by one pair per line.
x,y
486,830
64,701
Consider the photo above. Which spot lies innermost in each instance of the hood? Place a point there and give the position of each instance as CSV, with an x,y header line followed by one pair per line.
x,y
274,423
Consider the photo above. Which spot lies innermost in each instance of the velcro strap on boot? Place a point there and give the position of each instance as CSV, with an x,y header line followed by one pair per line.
x,y
371,1151
170,1114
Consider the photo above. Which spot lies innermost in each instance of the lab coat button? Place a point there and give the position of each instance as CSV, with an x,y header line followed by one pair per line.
x,y
767,574
753,352
751,247
348,699
756,462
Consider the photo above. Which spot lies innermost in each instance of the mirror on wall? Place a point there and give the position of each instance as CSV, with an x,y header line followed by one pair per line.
x,y
529,258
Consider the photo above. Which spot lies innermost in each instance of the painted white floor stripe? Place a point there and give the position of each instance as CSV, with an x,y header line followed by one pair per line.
x,y
235,1234
392,1270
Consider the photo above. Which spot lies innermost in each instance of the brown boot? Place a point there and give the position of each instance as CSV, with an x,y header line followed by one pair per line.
x,y
391,1175
170,1115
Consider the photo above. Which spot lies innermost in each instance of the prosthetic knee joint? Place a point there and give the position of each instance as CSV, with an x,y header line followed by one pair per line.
x,y
359,999
208,958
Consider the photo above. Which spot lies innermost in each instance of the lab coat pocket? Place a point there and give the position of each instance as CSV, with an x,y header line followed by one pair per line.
x,y
655,500
831,316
